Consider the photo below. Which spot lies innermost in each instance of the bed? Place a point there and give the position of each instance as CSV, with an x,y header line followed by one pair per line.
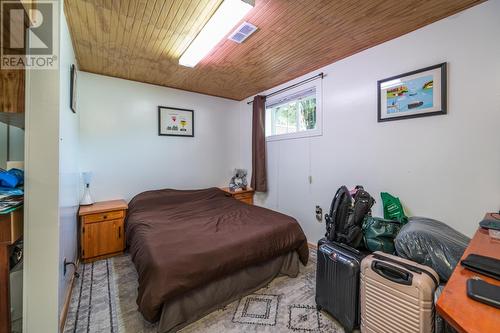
x,y
197,250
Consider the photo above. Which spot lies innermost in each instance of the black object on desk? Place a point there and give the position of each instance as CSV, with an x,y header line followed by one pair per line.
x,y
483,265
490,224
483,292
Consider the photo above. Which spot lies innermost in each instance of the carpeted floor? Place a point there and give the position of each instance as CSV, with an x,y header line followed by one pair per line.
x,y
104,297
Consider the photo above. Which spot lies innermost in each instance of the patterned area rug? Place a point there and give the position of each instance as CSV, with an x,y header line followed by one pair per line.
x,y
103,300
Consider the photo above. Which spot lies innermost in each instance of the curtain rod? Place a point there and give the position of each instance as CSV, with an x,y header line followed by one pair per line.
x,y
320,75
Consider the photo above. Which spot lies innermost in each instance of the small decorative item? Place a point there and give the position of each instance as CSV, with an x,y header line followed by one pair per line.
x,y
86,199
73,88
239,180
175,122
419,93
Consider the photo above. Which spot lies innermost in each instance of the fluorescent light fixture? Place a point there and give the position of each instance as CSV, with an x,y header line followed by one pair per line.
x,y
229,13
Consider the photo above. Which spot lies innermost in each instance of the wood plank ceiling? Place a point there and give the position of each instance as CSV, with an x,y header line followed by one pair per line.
x,y
142,40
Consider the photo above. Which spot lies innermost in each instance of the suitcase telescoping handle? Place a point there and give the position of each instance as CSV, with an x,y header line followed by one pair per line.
x,y
392,273
408,267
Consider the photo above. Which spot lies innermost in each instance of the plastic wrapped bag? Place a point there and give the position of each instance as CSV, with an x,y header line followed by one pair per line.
x,y
440,325
431,243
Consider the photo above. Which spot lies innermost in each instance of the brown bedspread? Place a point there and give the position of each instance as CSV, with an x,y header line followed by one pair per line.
x,y
180,240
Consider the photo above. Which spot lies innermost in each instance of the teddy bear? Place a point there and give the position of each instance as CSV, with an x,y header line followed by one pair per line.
x,y
239,180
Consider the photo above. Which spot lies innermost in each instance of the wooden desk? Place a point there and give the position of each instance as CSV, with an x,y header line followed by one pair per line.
x,y
463,313
11,230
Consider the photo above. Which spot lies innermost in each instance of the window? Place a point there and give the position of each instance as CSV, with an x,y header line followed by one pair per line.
x,y
294,114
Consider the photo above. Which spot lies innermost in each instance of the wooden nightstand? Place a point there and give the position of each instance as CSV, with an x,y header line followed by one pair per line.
x,y
245,196
102,233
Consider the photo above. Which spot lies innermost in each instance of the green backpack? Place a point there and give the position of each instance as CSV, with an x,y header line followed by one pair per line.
x,y
379,233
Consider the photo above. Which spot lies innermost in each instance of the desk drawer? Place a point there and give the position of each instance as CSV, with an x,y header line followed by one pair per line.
x,y
114,215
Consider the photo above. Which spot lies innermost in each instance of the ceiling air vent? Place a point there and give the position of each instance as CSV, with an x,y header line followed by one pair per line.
x,y
242,32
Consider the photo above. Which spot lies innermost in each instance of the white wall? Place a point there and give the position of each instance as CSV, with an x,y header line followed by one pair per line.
x,y
120,143
41,201
69,186
51,189
445,167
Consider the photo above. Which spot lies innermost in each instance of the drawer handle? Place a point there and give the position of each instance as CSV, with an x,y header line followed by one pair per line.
x,y
105,216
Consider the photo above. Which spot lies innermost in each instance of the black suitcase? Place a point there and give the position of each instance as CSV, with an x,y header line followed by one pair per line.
x,y
337,282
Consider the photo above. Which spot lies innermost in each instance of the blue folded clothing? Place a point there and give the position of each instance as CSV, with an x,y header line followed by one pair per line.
x,y
8,191
7,179
11,178
19,174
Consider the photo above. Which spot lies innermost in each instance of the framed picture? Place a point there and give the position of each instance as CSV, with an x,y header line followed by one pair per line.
x,y
419,93
73,88
175,121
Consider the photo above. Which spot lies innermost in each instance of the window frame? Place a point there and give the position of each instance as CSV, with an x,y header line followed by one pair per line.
x,y
318,131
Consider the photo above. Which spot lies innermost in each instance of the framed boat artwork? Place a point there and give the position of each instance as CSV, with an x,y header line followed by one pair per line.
x,y
414,94
175,121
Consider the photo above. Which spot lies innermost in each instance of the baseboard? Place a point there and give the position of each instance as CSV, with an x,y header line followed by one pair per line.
x,y
67,299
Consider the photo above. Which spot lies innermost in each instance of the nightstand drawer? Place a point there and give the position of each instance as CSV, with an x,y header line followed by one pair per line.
x,y
114,215
247,200
243,196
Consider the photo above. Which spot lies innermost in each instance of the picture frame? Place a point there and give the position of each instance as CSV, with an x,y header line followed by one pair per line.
x,y
73,83
420,93
175,121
